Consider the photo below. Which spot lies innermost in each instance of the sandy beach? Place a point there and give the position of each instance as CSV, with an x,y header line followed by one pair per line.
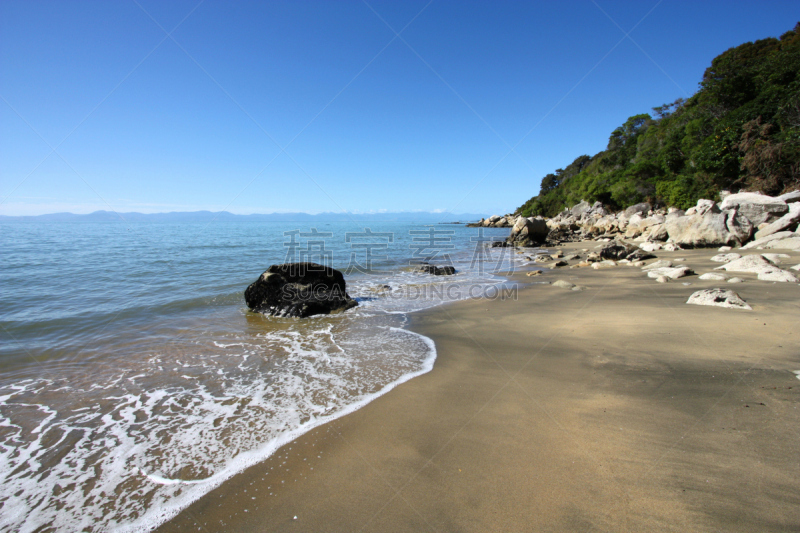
x,y
615,408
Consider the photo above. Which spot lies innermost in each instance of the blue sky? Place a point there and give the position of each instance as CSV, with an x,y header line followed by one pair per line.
x,y
259,107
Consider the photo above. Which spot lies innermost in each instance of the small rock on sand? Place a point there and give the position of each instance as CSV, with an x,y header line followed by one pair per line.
x,y
662,279
714,276
796,267
736,280
671,273
724,249
719,298
564,284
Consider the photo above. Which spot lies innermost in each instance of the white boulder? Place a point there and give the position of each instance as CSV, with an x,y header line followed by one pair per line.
x,y
758,208
534,230
776,274
656,232
671,273
718,298
748,263
787,221
792,243
710,229
661,263
765,240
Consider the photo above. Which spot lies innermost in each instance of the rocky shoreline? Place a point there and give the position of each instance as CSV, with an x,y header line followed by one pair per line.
x,y
737,220
747,221
628,408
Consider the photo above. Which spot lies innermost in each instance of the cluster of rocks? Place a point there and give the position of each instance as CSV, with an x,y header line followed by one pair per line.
x,y
747,220
738,219
617,253
495,221
525,232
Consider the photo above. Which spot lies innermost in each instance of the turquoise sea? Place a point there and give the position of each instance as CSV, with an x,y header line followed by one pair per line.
x,y
133,379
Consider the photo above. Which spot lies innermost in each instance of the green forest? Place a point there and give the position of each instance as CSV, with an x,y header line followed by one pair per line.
x,y
740,132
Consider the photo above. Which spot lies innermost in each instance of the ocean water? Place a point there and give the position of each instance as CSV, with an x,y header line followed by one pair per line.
x,y
133,379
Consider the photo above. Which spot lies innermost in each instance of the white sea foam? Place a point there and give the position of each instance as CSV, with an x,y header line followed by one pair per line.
x,y
130,441
128,454
157,516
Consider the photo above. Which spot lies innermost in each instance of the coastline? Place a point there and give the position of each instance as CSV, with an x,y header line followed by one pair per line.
x,y
618,407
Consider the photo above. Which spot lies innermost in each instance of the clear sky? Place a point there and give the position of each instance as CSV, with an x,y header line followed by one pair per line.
x,y
260,107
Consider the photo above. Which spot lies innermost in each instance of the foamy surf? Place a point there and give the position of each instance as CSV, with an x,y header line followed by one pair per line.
x,y
155,517
173,433
142,405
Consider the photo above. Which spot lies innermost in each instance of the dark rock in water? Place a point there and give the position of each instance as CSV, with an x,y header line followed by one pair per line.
x,y
617,250
500,244
436,271
299,290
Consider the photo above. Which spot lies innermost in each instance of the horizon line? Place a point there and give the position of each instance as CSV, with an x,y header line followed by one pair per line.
x,y
207,211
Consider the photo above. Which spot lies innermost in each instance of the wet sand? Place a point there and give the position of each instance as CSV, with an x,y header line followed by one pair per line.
x,y
616,408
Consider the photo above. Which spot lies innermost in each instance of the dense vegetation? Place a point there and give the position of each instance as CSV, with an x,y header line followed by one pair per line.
x,y
740,131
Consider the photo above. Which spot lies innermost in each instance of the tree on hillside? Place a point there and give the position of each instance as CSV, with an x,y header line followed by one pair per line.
x,y
740,131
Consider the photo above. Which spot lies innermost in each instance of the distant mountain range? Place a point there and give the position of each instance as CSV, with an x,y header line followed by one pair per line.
x,y
224,216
